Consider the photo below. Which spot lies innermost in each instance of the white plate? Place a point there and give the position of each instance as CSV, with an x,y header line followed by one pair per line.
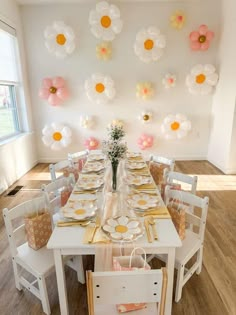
x,y
143,201
122,228
93,167
89,184
136,165
133,154
79,210
138,180
96,157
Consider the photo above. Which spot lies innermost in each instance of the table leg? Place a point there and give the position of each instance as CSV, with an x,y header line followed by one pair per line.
x,y
61,282
170,265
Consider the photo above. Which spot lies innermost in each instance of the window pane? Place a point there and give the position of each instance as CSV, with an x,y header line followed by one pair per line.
x,y
8,112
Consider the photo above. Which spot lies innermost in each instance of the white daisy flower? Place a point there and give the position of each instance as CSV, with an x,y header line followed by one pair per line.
x,y
100,89
149,44
175,126
86,121
78,211
116,122
56,136
169,80
202,79
59,39
144,90
122,228
142,201
145,117
105,21
138,180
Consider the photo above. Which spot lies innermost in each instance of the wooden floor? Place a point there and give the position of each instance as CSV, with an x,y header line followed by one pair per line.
x,y
213,292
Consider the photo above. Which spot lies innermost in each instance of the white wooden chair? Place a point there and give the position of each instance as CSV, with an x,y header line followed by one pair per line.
x,y
52,193
157,165
106,289
190,182
163,160
78,159
193,243
57,167
37,263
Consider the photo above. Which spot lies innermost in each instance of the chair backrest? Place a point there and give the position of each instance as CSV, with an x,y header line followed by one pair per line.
x,y
14,222
194,202
76,157
176,177
54,168
115,287
163,160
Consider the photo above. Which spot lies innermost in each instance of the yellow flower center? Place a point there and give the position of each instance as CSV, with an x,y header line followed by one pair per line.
x,y
92,143
121,228
105,21
146,117
202,39
53,89
142,202
100,87
148,44
200,78
175,125
60,39
79,211
57,136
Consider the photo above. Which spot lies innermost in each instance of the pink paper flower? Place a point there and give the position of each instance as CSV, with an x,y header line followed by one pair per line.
x,y
200,40
145,141
91,143
54,90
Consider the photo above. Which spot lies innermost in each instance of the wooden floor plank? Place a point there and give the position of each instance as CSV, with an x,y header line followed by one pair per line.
x,y
213,292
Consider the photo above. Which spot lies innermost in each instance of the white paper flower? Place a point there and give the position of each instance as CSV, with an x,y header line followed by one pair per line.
x,y
202,79
169,80
145,117
56,136
59,39
116,122
149,44
144,90
104,51
79,211
86,121
122,228
142,201
100,89
105,21
175,126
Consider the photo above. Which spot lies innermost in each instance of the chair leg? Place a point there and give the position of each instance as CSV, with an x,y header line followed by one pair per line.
x,y
16,275
79,268
199,260
179,283
44,295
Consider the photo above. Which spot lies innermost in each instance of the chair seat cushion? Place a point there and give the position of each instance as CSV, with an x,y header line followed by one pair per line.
x,y
190,244
41,261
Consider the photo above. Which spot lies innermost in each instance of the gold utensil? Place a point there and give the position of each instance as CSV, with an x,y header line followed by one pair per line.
x,y
65,223
152,222
144,214
84,192
146,224
96,226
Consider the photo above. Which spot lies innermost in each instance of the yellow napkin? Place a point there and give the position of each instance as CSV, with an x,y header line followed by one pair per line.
x,y
99,237
146,186
136,158
158,212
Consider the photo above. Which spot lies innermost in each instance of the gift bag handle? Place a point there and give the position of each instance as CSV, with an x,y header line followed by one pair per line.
x,y
132,255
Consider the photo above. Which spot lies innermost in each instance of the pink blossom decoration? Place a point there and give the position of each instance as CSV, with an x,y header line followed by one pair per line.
x,y
91,143
200,40
145,141
54,90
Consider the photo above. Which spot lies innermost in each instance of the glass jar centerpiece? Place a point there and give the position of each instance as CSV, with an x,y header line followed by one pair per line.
x,y
115,150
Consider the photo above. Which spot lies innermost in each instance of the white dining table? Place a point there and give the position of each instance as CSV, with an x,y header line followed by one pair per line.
x,y
69,241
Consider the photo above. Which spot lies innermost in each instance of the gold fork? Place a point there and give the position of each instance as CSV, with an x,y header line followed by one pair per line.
x,y
152,222
96,227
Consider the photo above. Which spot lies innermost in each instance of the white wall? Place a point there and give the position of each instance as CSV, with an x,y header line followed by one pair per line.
x,y
222,150
126,70
18,155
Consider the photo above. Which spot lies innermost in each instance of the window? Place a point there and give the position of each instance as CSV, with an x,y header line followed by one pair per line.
x,y
9,80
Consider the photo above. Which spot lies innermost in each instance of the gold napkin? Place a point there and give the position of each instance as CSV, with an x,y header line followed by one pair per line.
x,y
136,158
99,237
157,212
146,186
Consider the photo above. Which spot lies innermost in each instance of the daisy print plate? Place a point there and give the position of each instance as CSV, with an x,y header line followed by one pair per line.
x,y
138,180
89,183
123,228
96,157
136,165
93,167
133,154
79,211
142,201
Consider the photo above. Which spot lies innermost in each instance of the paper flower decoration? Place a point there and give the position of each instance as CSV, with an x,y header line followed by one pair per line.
x,y
169,80
59,39
100,89
149,44
56,136
202,79
177,20
175,126
105,21
104,51
91,143
200,40
146,117
144,90
116,122
54,91
86,122
145,141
